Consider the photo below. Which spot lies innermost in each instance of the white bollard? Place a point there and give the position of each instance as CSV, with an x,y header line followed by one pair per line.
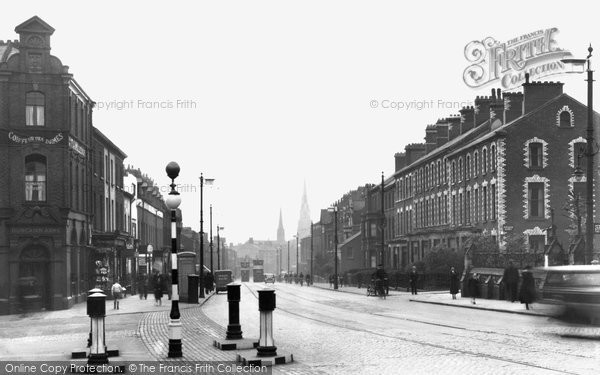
x,y
96,309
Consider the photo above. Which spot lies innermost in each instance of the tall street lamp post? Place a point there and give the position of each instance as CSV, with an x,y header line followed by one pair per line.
x,y
208,181
311,252
334,209
201,240
382,223
211,242
288,258
219,246
173,201
589,202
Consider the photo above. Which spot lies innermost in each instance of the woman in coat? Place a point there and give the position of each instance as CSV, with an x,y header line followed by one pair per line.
x,y
453,282
473,285
527,294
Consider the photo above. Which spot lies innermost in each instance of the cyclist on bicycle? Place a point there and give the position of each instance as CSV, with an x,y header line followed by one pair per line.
x,y
379,277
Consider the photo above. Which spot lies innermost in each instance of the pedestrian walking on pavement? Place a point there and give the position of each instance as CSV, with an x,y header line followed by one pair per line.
x,y
307,279
116,291
142,287
413,277
473,285
527,293
158,293
301,279
331,281
511,280
453,282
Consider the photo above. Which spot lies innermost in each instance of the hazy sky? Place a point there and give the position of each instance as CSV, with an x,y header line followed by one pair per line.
x,y
279,92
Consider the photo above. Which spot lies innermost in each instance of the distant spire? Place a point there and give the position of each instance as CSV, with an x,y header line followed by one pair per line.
x,y
280,230
304,221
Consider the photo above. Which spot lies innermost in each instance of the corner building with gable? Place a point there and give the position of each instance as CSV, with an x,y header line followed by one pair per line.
x,y
45,176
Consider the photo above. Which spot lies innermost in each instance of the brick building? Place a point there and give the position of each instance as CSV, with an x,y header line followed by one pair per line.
x,y
502,167
68,222
45,175
110,225
350,210
153,225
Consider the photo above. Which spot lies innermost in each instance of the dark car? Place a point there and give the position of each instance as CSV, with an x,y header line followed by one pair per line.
x,y
576,289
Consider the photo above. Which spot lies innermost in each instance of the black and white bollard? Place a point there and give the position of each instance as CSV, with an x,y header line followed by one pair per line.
x,y
96,309
234,329
173,201
90,292
266,305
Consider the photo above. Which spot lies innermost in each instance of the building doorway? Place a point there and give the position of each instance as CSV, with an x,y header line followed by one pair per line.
x,y
34,284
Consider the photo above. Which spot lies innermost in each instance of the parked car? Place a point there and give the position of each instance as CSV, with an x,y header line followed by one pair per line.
x,y
576,289
269,278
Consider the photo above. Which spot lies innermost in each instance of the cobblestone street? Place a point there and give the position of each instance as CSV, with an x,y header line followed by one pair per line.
x,y
329,332
347,332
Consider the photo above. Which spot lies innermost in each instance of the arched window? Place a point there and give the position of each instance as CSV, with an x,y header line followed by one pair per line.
x,y
535,154
475,164
439,169
580,160
35,178
453,172
468,170
484,161
565,119
34,109
460,168
494,157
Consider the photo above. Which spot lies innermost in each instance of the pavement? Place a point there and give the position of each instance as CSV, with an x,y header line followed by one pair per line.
x,y
445,298
54,335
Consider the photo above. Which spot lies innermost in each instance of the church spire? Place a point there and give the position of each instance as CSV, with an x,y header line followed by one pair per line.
x,y
280,230
304,221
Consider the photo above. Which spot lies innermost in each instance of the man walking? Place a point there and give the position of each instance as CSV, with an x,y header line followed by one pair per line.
x,y
413,276
116,291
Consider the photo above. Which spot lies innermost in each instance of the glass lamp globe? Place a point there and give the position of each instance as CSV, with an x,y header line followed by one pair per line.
x,y
173,201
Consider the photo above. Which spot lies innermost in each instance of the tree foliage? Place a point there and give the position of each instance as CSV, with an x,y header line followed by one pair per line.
x,y
440,259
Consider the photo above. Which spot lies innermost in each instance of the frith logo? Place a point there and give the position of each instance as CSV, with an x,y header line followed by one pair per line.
x,y
536,53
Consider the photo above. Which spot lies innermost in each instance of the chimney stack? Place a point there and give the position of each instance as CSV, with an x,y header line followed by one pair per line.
x,y
467,118
442,132
513,106
400,159
535,94
413,152
482,108
430,138
453,127
497,114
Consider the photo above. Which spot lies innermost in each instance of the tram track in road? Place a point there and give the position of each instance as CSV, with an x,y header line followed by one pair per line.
x,y
395,315
318,316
